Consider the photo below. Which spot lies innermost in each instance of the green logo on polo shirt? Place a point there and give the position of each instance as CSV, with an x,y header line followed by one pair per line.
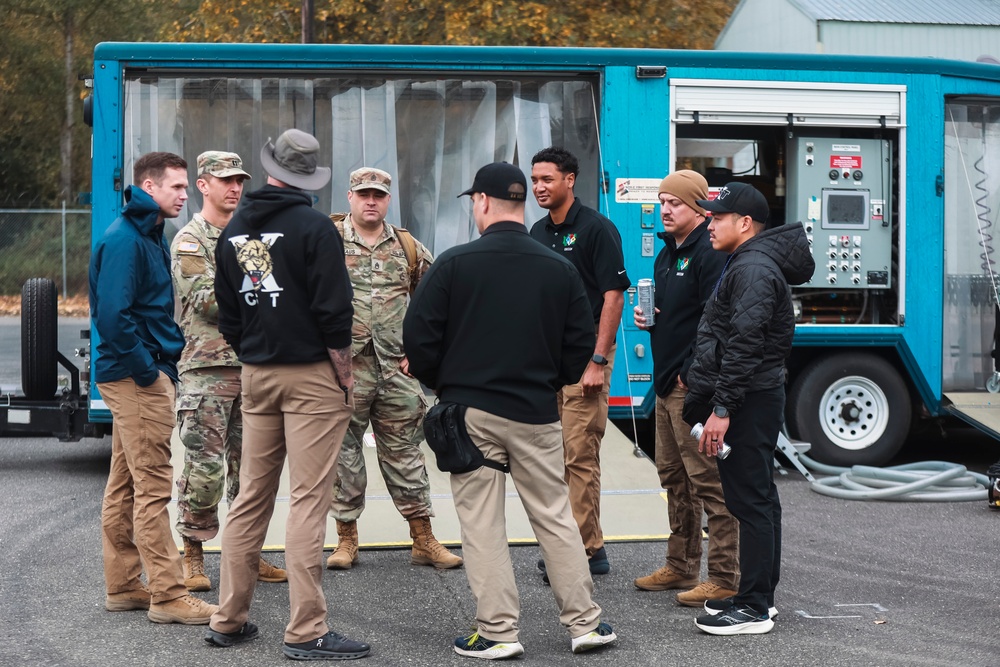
x,y
569,240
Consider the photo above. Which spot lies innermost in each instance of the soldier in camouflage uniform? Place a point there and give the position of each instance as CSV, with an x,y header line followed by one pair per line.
x,y
208,400
384,263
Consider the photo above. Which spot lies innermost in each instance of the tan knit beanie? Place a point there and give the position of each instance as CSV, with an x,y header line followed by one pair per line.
x,y
687,186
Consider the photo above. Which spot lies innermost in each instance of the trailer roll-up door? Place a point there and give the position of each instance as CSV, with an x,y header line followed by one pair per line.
x,y
787,103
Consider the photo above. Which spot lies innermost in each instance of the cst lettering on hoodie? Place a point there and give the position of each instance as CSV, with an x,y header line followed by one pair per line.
x,y
254,259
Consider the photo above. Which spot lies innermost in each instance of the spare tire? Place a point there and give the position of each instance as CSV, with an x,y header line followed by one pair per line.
x,y
39,339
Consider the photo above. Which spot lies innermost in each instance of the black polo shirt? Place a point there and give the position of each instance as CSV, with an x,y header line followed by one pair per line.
x,y
592,243
685,278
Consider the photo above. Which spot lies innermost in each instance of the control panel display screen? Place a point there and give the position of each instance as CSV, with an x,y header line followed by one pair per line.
x,y
845,209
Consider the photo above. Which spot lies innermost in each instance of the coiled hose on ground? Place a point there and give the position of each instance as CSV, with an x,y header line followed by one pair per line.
x,y
928,481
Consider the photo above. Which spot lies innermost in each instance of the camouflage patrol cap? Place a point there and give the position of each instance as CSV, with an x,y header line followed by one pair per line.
x,y
369,178
221,164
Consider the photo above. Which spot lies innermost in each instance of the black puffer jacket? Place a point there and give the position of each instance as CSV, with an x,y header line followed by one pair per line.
x,y
745,334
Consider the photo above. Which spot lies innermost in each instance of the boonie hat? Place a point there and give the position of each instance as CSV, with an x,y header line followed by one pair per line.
x,y
221,164
369,178
688,186
293,158
739,198
500,180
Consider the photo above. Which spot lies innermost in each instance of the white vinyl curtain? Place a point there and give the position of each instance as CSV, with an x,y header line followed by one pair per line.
x,y
972,242
430,134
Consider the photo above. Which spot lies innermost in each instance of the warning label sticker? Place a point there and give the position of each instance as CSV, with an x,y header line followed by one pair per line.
x,y
637,190
845,161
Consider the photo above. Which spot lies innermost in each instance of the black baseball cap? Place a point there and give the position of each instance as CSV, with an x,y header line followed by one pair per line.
x,y
501,180
739,198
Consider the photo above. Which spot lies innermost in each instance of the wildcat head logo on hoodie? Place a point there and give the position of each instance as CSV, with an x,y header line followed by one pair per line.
x,y
254,258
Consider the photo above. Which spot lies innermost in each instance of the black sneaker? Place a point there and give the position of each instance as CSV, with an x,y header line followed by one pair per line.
x,y
737,620
714,607
474,646
598,565
330,646
244,634
602,635
599,562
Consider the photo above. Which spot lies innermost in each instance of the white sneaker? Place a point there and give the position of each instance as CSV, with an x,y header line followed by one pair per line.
x,y
602,635
474,646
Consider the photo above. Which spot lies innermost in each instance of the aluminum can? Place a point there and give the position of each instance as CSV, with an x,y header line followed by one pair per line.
x,y
724,449
645,289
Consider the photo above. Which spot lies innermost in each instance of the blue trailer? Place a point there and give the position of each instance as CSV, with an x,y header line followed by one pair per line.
x,y
892,165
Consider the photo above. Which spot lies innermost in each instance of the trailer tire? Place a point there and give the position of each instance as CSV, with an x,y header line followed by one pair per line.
x,y
39,339
854,409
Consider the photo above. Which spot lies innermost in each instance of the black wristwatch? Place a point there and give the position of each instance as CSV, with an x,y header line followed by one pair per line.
x,y
720,412
599,360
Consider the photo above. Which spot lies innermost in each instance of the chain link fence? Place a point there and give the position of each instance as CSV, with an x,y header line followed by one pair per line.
x,y
44,243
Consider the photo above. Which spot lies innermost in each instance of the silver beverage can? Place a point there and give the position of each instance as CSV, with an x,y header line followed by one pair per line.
x,y
645,289
724,449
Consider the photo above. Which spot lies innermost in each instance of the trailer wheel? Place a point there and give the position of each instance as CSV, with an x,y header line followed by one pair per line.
x,y
853,408
39,339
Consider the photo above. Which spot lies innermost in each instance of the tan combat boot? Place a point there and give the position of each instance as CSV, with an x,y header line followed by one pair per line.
x,y
665,579
188,610
427,550
702,593
269,573
194,567
346,553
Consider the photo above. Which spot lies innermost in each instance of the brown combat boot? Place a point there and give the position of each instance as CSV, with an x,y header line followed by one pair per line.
x,y
665,579
269,573
702,593
346,553
427,550
128,600
188,610
194,567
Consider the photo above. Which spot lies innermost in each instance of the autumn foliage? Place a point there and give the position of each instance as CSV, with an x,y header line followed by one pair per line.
x,y
679,24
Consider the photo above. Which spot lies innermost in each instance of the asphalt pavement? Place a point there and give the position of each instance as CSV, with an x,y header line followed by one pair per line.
x,y
879,584
862,584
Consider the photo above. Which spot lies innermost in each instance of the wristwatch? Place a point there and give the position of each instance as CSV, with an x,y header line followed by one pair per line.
x,y
720,412
599,360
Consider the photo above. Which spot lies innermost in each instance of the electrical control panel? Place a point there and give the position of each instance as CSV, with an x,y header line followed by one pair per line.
x,y
839,189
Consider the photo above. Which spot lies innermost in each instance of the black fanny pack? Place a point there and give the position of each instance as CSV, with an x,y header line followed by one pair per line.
x,y
444,428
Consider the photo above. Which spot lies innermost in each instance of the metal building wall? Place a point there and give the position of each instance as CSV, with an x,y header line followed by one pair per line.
x,y
781,26
768,25
957,42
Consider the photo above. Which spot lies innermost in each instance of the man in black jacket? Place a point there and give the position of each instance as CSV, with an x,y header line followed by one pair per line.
x,y
685,272
499,325
736,387
284,300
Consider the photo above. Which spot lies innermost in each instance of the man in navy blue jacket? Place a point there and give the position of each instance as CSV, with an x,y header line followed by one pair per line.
x,y
139,343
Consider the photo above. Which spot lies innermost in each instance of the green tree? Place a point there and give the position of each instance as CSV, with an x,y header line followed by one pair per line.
x,y
48,45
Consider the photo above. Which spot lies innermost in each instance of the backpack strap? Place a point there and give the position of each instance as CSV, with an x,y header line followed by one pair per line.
x,y
338,222
410,250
